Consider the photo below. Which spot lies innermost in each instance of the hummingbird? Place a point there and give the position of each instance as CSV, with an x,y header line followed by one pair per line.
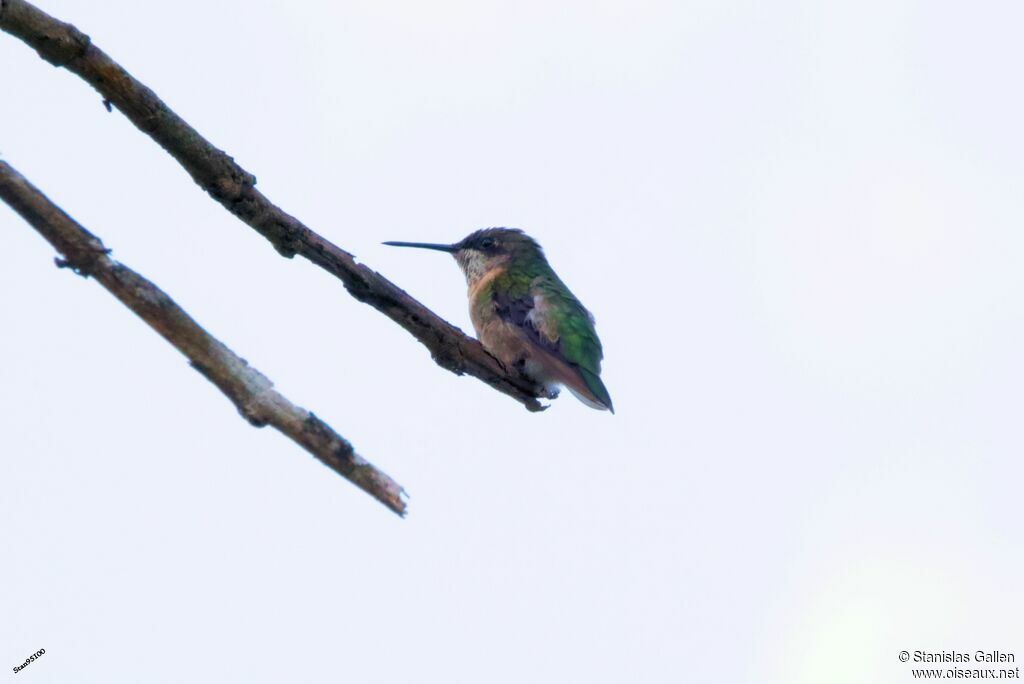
x,y
525,316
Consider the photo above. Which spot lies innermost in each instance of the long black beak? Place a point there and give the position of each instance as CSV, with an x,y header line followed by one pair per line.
x,y
424,245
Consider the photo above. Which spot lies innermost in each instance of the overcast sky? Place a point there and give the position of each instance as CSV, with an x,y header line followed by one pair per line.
x,y
798,225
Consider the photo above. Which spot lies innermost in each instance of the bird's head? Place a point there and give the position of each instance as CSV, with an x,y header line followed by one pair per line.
x,y
484,250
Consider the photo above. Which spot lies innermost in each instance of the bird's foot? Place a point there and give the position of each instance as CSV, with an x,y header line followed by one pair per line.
x,y
544,391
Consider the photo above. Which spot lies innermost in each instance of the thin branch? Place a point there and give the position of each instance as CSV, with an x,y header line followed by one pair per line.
x,y
250,391
217,173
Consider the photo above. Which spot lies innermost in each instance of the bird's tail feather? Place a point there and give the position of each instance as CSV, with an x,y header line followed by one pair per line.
x,y
596,388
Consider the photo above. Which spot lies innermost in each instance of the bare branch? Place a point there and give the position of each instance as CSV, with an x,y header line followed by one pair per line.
x,y
217,173
250,391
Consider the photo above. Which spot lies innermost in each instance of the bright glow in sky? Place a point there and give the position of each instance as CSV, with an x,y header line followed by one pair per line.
x,y
798,225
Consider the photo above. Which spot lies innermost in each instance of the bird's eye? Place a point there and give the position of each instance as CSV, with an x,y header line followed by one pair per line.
x,y
487,243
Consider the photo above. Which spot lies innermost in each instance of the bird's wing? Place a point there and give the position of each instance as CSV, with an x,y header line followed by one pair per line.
x,y
551,317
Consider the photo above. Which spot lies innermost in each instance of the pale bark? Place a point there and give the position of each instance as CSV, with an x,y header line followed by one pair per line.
x,y
250,391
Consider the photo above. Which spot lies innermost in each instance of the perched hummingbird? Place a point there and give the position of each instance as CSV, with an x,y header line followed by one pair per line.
x,y
525,315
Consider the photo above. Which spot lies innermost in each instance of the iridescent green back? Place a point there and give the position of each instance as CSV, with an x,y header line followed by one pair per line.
x,y
538,298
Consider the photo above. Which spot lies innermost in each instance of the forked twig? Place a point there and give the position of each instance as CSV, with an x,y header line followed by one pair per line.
x,y
250,391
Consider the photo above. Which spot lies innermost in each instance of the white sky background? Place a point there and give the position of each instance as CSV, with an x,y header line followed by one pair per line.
x,y
798,225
